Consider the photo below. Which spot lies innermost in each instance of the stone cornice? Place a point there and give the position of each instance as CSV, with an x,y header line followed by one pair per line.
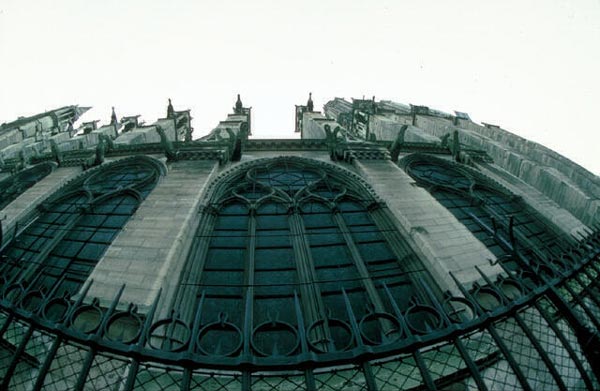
x,y
286,144
348,151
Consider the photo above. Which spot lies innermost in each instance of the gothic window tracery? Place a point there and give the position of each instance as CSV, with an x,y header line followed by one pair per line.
x,y
287,229
60,248
12,187
483,207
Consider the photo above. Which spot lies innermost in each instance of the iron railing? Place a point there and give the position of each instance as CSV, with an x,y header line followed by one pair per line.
x,y
532,327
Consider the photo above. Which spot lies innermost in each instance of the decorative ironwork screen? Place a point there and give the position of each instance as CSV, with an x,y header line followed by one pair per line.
x,y
532,327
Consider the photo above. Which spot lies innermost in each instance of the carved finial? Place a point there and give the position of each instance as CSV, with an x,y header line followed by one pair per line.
x,y
309,104
113,117
170,110
238,109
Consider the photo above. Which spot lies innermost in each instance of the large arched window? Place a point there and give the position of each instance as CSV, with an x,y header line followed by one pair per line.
x,y
13,186
60,248
484,207
287,239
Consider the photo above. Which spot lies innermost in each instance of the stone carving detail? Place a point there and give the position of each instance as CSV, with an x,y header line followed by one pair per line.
x,y
339,172
56,152
166,144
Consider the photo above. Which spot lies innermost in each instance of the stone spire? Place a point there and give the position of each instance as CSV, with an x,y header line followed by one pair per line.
x,y
170,110
310,105
113,117
239,107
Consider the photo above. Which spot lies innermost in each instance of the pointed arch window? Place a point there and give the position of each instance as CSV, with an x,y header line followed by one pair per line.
x,y
15,185
483,207
288,236
60,248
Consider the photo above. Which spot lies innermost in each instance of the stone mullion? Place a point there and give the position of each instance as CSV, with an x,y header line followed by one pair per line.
x,y
37,263
248,297
249,270
359,263
195,266
310,294
406,257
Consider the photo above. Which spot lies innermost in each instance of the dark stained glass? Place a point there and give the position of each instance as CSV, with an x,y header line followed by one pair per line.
x,y
12,187
76,254
287,230
71,234
22,256
483,208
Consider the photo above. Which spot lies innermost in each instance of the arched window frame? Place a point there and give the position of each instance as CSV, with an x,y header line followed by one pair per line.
x,y
189,296
34,268
17,184
523,224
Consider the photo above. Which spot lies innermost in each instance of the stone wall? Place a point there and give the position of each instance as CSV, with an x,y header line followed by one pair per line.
x,y
26,203
556,177
313,125
387,129
445,244
150,251
571,186
560,218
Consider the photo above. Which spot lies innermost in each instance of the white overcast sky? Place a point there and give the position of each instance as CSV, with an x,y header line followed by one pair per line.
x,y
530,66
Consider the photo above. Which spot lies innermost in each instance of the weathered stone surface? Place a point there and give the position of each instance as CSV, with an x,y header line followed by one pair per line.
x,y
571,186
141,135
32,197
559,217
568,184
10,137
313,125
445,243
149,253
387,129
317,155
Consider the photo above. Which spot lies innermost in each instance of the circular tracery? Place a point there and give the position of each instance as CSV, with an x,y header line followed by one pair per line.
x,y
121,176
435,174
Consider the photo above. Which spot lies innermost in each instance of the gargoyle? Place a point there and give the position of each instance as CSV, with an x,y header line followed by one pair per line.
x,y
166,144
